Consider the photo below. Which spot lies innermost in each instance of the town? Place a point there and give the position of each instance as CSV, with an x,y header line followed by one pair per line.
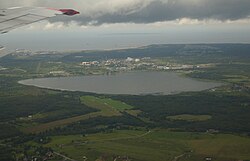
x,y
145,63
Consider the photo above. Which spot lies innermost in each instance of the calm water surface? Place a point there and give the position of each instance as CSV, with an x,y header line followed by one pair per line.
x,y
133,83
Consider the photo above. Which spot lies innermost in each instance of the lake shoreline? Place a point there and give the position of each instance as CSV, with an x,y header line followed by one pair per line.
x,y
141,81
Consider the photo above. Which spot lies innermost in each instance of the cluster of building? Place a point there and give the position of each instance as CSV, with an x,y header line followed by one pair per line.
x,y
2,68
129,63
90,63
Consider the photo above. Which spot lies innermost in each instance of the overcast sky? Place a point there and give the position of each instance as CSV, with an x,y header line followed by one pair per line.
x,y
125,23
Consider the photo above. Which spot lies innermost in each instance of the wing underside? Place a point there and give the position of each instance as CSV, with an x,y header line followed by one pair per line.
x,y
17,17
10,24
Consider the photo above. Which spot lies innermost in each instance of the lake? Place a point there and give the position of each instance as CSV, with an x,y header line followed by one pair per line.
x,y
132,83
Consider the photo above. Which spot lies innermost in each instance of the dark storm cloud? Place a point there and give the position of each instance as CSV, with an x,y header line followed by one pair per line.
x,y
149,11
156,11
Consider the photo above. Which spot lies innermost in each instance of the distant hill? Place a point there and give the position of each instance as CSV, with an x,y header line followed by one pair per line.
x,y
153,51
156,51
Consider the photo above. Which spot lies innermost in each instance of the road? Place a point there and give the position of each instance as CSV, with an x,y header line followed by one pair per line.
x,y
178,157
63,156
122,138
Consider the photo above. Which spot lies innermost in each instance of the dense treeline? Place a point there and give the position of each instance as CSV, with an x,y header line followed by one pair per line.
x,y
8,130
6,153
57,105
98,124
229,113
223,72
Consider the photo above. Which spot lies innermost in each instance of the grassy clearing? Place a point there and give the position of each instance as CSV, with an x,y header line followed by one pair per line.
x,y
106,110
157,145
222,146
237,78
190,118
134,112
58,123
101,103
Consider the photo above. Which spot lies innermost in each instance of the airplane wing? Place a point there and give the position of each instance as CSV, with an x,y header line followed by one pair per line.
x,y
1,47
15,17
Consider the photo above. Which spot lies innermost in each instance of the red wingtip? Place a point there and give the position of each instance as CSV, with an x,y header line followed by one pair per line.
x,y
69,12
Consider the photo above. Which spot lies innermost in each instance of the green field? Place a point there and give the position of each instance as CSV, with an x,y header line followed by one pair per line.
x,y
102,103
190,118
107,108
155,145
188,126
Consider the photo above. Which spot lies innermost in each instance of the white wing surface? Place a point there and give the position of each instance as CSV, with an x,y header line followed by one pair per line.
x,y
15,17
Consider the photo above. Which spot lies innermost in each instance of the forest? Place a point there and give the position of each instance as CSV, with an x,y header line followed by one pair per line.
x,y
221,111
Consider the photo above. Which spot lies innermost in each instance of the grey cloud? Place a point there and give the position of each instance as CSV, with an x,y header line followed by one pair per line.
x,y
149,11
168,10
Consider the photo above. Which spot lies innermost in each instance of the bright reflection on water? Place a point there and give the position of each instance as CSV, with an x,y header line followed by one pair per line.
x,y
133,83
